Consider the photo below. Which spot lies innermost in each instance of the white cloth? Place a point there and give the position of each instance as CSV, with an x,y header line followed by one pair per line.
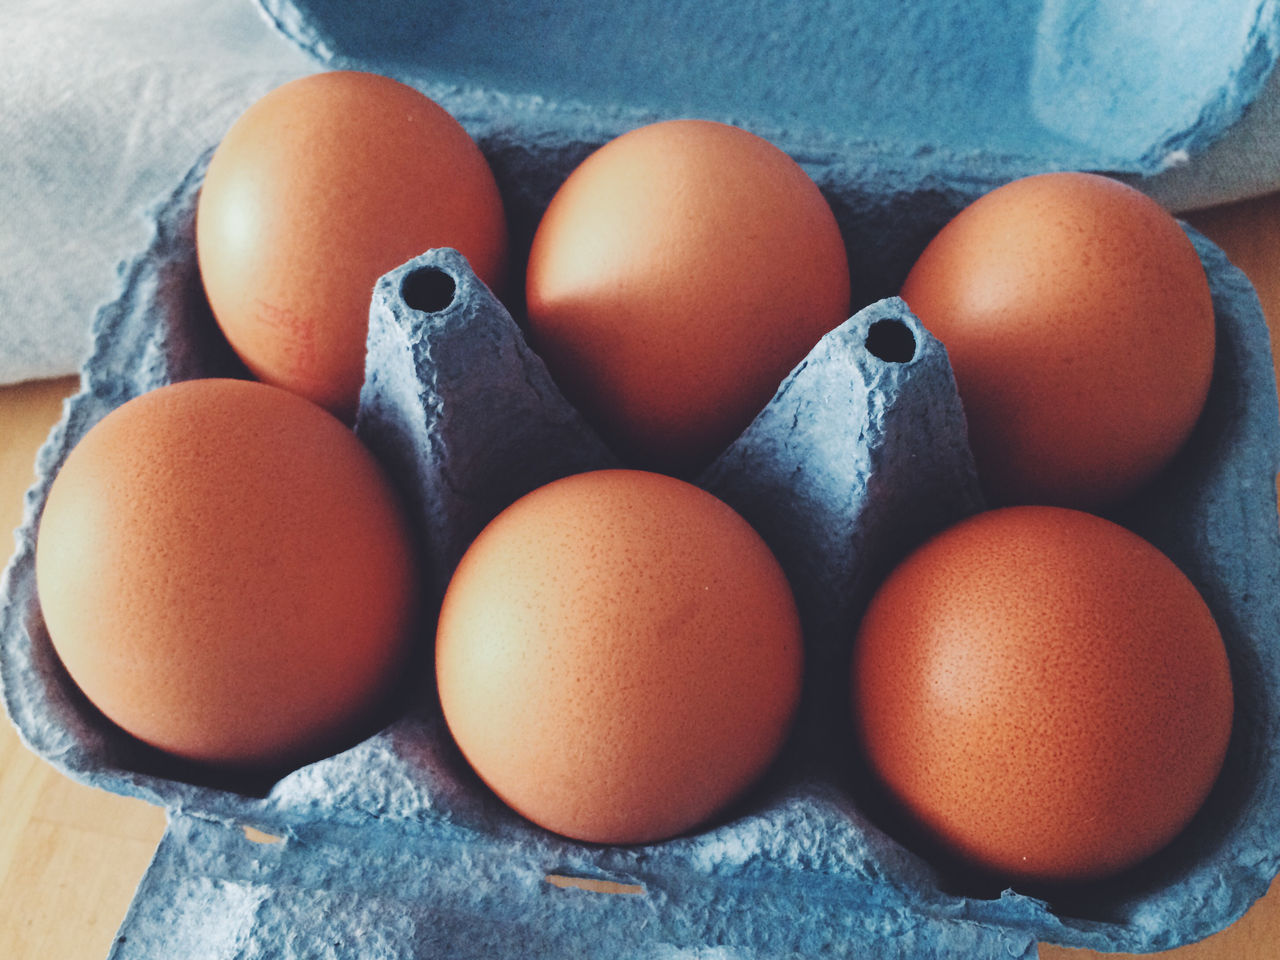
x,y
104,105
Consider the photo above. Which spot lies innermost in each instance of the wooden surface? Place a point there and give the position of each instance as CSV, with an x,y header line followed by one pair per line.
x,y
70,856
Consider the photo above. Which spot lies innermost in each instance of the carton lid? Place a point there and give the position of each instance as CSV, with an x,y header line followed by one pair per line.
x,y
988,86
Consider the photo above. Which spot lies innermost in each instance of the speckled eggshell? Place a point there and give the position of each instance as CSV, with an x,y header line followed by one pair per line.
x,y
226,573
1043,694
1078,321
619,656
319,188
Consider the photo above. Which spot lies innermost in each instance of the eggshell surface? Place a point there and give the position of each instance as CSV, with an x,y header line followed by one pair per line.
x,y
318,189
618,656
679,273
225,573
1079,324
1043,694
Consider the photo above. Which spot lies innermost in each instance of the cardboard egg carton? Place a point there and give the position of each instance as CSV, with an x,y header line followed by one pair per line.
x,y
393,848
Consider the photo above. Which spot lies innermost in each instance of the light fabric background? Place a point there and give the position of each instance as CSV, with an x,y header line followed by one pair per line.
x,y
104,105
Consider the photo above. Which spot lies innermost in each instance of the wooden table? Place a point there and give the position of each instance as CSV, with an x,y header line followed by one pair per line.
x,y
70,855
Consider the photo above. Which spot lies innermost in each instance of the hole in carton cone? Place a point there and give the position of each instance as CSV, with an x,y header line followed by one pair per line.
x,y
429,290
891,341
595,886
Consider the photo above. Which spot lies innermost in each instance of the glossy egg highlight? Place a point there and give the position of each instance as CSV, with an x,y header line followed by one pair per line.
x,y
619,656
319,188
1042,695
225,573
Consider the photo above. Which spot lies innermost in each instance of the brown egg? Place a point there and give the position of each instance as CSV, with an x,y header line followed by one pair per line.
x,y
1078,321
1043,693
322,186
676,278
618,656
225,573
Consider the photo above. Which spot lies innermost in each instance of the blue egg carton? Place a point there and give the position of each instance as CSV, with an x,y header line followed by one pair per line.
x,y
393,848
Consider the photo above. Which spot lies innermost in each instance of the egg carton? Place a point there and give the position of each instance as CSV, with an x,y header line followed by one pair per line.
x,y
394,848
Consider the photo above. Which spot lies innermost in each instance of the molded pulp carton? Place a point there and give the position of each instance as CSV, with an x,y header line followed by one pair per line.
x,y
902,114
